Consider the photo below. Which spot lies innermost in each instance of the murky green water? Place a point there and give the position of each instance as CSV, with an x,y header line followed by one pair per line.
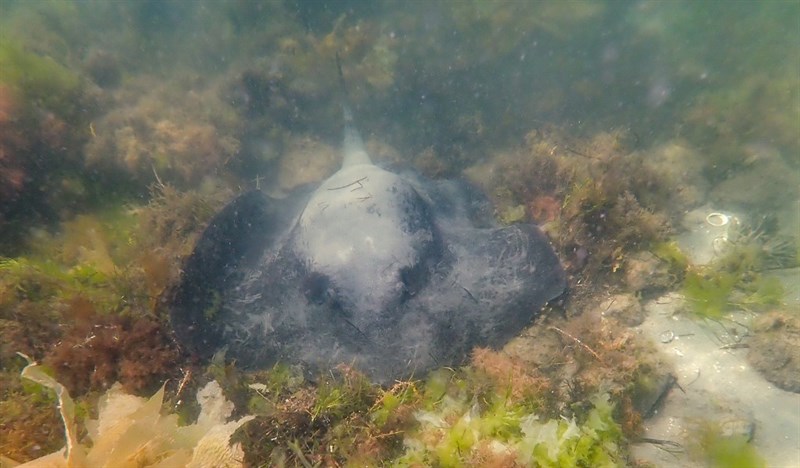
x,y
656,143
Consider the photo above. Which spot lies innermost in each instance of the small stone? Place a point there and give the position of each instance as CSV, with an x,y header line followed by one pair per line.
x,y
666,336
650,389
738,427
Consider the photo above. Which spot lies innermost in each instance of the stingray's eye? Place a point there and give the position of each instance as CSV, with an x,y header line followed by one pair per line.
x,y
316,288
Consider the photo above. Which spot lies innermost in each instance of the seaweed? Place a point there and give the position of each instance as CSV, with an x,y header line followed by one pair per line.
x,y
709,293
738,279
474,425
98,351
44,112
107,338
30,422
158,133
91,258
343,417
83,300
167,229
40,80
671,253
132,431
597,200
452,418
719,449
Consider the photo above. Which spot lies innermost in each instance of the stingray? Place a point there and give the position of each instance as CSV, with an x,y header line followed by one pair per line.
x,y
385,271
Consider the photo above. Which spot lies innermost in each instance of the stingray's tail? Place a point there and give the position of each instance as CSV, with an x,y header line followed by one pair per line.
x,y
354,151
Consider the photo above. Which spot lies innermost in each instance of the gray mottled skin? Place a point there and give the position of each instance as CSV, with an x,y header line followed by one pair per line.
x,y
389,272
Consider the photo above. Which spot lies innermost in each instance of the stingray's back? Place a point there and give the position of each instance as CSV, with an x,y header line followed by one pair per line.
x,y
252,287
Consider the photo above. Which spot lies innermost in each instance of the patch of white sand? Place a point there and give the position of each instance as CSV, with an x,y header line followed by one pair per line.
x,y
714,380
718,384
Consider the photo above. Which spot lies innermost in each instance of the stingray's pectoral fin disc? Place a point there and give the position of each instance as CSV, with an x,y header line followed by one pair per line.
x,y
526,253
509,273
233,238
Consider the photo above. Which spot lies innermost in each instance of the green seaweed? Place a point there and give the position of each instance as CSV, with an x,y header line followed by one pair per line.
x,y
387,405
763,291
453,418
733,452
725,451
712,292
672,254
36,280
91,257
38,79
709,293
470,423
737,279
337,398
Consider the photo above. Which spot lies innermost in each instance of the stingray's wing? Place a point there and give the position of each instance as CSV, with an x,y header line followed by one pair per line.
x,y
496,282
234,239
489,283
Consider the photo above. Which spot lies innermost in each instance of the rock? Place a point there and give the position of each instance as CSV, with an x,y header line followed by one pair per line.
x,y
765,183
650,389
644,272
775,349
625,309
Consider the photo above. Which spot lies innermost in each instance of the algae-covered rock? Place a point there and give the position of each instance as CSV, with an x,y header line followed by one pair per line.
x,y
767,182
158,132
43,123
39,79
645,272
775,349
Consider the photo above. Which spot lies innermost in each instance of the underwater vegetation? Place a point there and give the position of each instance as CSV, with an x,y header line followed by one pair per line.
x,y
743,277
478,415
739,277
156,133
44,112
597,200
112,160
461,428
83,301
769,117
131,431
40,80
466,417
719,448
711,292
547,401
